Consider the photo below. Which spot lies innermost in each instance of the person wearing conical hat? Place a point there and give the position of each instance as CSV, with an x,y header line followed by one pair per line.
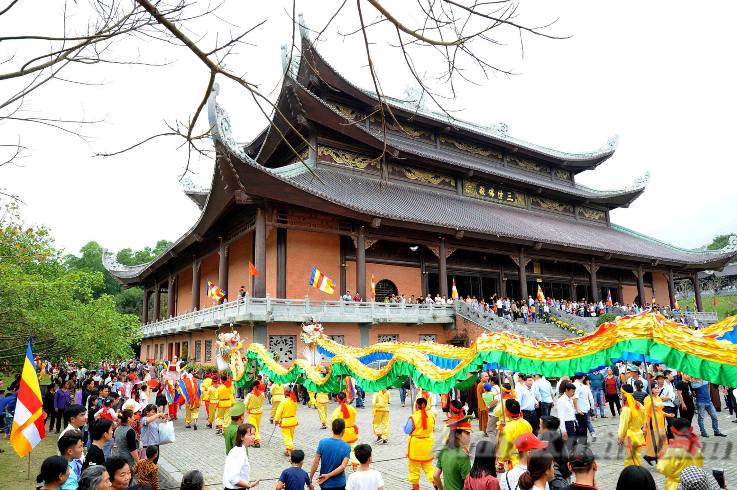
x,y
380,424
631,422
512,426
286,418
255,407
348,414
420,428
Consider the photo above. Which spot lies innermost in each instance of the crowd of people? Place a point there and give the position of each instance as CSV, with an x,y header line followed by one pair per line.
x,y
535,433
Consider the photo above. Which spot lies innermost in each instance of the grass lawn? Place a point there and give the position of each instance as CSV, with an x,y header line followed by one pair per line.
x,y
725,304
14,475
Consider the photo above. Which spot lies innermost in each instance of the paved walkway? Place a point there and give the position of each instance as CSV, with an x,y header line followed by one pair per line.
x,y
204,450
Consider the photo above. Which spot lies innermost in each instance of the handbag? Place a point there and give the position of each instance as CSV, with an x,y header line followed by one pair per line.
x,y
166,432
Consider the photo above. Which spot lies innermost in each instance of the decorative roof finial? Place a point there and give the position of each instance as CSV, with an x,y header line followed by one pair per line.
x,y
284,57
613,142
303,31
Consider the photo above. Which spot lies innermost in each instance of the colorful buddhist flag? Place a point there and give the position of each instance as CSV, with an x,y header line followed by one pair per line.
x,y
609,298
454,290
321,281
540,295
28,423
252,269
373,288
214,292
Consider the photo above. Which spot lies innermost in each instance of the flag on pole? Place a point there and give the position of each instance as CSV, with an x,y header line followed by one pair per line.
x,y
252,269
28,423
373,288
540,295
609,298
715,301
321,281
454,290
214,292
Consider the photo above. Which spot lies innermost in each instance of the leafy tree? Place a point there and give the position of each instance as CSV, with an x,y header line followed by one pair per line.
x,y
128,256
90,260
65,309
720,241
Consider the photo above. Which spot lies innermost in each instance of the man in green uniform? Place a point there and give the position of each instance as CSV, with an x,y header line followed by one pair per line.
x,y
236,417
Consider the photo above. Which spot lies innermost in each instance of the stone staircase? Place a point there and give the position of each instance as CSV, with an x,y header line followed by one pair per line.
x,y
494,323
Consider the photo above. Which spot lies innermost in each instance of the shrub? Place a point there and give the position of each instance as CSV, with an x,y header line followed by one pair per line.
x,y
608,317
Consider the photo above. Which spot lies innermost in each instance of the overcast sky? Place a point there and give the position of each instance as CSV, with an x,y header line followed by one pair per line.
x,y
656,74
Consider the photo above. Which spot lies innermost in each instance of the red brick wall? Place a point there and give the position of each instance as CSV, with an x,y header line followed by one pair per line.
x,y
628,294
239,254
660,285
307,249
407,279
208,272
184,291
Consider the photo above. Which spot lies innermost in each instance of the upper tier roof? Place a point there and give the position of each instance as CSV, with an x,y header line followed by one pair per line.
x,y
312,64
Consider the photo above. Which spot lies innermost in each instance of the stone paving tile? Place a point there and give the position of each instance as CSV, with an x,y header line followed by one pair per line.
x,y
204,450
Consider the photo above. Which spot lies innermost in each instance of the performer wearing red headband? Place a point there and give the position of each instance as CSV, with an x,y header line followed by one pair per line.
x,y
630,431
254,403
513,426
286,418
684,450
348,414
420,427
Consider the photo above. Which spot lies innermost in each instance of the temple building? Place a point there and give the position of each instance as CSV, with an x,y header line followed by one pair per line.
x,y
414,203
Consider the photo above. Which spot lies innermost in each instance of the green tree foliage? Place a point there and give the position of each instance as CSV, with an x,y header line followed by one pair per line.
x,y
720,241
128,256
608,317
64,308
90,260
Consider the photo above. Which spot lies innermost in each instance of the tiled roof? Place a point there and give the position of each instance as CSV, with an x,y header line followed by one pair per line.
x,y
397,201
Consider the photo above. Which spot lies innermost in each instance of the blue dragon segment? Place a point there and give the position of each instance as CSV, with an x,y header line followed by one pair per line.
x,y
441,362
730,336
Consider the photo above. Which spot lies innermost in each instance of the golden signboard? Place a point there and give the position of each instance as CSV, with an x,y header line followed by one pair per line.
x,y
493,192
592,214
422,176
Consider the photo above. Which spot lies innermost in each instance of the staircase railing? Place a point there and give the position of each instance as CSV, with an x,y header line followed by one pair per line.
x,y
492,322
587,324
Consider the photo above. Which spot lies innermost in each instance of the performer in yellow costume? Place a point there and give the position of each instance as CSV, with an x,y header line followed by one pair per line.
x,y
380,404
631,422
508,393
226,399
277,395
683,451
321,402
510,429
420,428
348,414
205,395
286,418
212,395
311,401
254,403
656,439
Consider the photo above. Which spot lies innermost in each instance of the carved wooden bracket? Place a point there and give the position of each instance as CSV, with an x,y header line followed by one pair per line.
x,y
435,249
459,234
515,259
376,222
367,242
591,268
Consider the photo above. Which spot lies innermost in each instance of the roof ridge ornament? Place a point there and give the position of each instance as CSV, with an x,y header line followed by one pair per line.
x,y
220,129
304,32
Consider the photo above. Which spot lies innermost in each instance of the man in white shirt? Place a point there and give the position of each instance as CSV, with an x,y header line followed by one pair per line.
x,y
543,392
667,394
567,413
525,444
582,404
527,402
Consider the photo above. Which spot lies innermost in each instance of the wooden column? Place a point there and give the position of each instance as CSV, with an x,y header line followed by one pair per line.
x,y
697,291
594,286
641,284
572,291
281,263
671,289
502,284
361,263
157,302
223,269
196,266
259,247
423,277
144,313
442,269
522,266
171,297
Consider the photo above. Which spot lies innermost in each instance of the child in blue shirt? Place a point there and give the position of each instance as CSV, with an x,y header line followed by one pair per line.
x,y
294,477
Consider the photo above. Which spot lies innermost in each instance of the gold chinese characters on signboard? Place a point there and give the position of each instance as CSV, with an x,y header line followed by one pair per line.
x,y
493,192
592,214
